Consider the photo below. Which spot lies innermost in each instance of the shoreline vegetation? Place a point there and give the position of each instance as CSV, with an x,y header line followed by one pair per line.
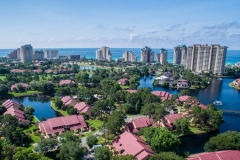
x,y
233,86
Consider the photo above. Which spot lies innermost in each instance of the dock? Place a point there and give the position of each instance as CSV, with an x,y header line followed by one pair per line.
x,y
231,112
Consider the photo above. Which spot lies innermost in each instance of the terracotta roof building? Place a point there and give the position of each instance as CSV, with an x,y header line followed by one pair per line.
x,y
68,100
138,123
128,143
162,94
169,120
122,81
12,108
83,107
132,91
219,155
66,82
58,125
15,86
236,82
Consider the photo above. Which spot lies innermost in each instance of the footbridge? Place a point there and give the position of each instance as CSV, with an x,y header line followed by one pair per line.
x,y
231,112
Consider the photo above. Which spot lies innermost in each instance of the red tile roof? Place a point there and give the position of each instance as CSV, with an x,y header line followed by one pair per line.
x,y
24,85
133,145
68,100
172,117
122,81
203,106
139,123
56,125
67,81
219,155
82,107
132,91
183,98
10,103
162,94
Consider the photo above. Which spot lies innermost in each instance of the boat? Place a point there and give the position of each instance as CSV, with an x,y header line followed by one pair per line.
x,y
219,103
219,79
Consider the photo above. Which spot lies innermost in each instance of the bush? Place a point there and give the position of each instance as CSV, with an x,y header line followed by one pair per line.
x,y
37,134
92,128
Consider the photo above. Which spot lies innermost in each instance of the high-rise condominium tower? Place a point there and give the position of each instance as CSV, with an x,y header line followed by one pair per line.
x,y
104,54
38,55
206,58
147,55
162,56
26,53
180,54
129,56
51,54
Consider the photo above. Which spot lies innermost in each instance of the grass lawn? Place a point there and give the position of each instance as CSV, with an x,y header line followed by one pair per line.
x,y
2,77
35,139
26,93
35,120
125,87
95,123
58,110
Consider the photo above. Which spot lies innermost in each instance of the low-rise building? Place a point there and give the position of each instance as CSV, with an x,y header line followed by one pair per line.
x,y
83,108
66,82
68,100
58,125
182,83
74,57
236,82
132,91
168,120
128,143
219,155
162,94
138,123
122,81
17,85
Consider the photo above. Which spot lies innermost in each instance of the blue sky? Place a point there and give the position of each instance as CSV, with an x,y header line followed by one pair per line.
x,y
118,23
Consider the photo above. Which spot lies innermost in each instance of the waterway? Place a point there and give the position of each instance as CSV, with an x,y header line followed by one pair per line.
x,y
41,105
217,90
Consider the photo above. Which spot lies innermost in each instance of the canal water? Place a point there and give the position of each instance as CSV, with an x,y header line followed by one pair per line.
x,y
217,90
41,105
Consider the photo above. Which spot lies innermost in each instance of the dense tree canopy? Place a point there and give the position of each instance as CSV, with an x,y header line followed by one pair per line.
x,y
166,156
102,153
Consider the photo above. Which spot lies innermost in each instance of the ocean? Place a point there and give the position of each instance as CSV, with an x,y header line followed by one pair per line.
x,y
233,56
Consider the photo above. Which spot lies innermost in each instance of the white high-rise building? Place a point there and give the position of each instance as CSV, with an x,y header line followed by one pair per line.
x,y
18,53
180,54
204,58
147,55
51,54
162,56
38,55
26,53
104,54
128,56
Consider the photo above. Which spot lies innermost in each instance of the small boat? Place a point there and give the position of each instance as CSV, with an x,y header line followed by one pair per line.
x,y
219,79
219,103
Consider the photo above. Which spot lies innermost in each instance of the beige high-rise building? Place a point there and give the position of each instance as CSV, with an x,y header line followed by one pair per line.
x,y
104,54
162,56
26,53
51,54
180,54
147,55
204,58
129,56
38,55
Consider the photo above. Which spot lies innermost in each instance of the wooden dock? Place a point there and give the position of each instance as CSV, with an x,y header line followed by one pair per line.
x,y
231,112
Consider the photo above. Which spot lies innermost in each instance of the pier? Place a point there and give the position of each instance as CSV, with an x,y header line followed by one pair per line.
x,y
231,112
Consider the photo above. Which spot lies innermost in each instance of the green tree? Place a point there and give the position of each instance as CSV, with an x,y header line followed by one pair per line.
x,y
229,140
116,121
2,110
46,145
91,140
166,156
184,92
3,90
182,125
164,140
28,154
71,150
125,157
102,153
69,136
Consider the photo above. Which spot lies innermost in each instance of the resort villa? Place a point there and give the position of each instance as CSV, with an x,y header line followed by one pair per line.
x,y
68,100
168,120
163,95
219,155
15,86
66,82
138,123
83,108
54,126
12,109
236,82
128,143
122,81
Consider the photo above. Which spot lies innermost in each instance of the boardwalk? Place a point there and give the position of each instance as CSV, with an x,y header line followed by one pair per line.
x,y
231,112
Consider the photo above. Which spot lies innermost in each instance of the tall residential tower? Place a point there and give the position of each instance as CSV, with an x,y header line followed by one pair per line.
x,y
162,56
104,54
206,58
180,54
147,55
26,53
129,56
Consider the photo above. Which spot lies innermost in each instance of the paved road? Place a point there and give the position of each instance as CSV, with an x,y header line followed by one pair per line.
x,y
132,117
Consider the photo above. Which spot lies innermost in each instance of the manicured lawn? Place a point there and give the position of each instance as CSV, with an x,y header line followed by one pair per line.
x,y
35,139
95,123
2,77
58,110
20,94
125,87
35,120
